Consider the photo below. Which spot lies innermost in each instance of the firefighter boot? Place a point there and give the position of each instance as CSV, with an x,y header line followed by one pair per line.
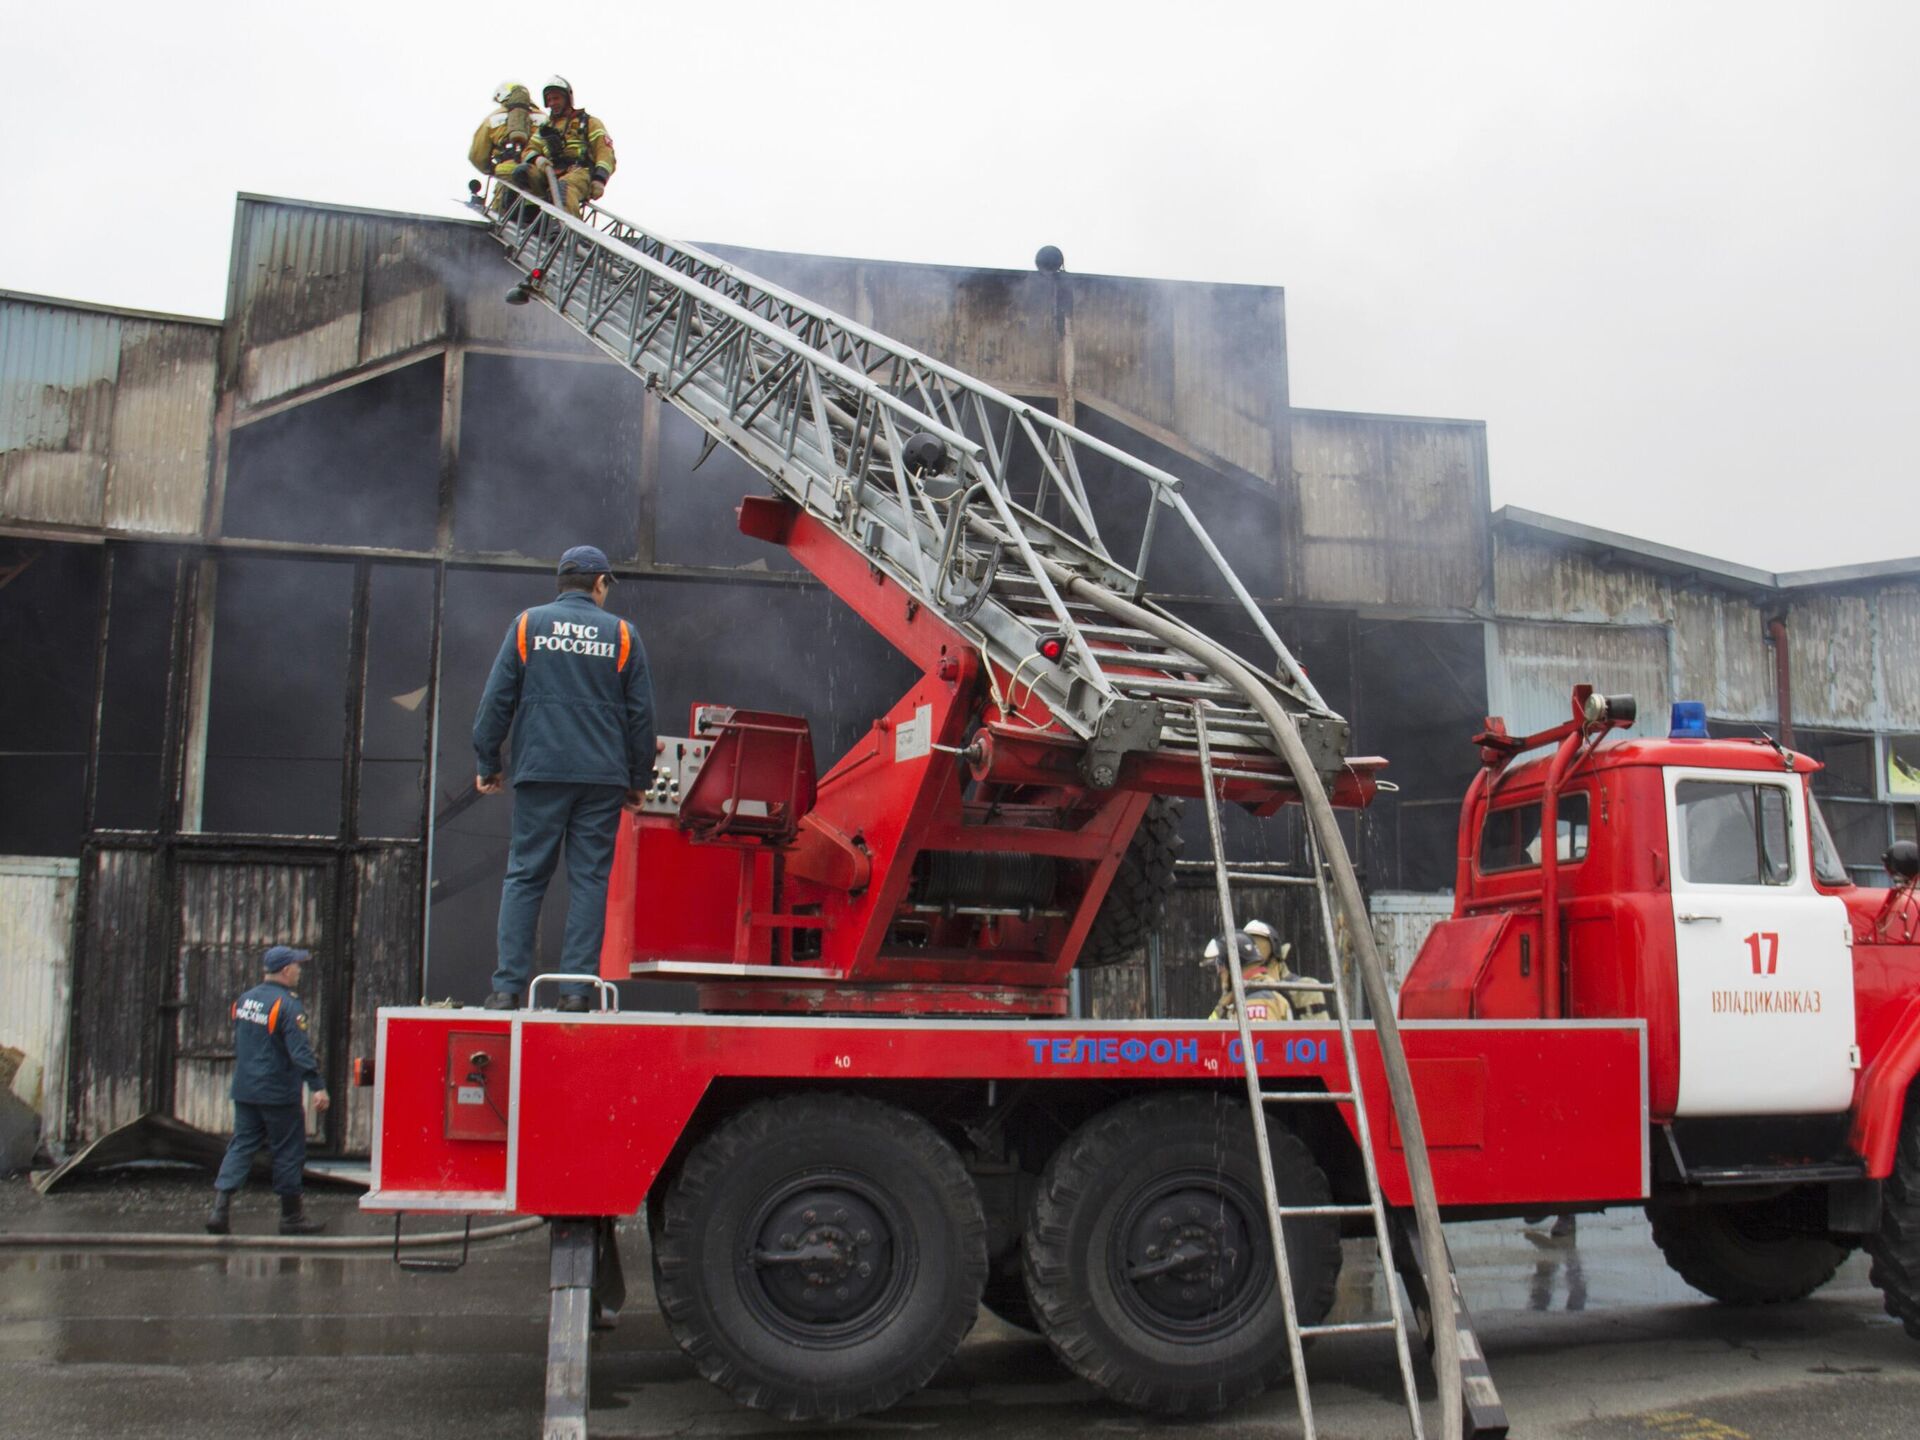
x,y
293,1217
220,1218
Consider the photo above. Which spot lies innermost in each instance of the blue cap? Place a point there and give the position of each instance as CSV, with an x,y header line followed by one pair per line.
x,y
278,957
585,560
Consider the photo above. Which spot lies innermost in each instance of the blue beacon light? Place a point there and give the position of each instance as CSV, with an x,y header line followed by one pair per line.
x,y
1689,721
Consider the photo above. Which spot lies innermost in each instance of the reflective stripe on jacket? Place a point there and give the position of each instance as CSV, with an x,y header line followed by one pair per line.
x,y
272,1051
571,681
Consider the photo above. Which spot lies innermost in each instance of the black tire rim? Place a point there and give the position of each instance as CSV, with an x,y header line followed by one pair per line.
x,y
1188,1256
828,1259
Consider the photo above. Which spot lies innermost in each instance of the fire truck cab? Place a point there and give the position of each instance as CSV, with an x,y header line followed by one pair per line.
x,y
1693,884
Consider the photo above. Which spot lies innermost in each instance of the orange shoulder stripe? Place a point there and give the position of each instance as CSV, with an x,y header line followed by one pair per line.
x,y
273,1018
523,637
626,647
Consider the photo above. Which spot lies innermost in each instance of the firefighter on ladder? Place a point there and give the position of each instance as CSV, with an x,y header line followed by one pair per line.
x,y
500,144
1264,973
572,145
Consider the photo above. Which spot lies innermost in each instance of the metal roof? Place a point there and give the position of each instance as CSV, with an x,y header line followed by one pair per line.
x,y
1669,560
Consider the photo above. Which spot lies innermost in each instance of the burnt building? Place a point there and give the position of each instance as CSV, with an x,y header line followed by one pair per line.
x,y
253,571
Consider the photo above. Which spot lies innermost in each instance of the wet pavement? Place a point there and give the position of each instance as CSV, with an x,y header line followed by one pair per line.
x,y
1589,1337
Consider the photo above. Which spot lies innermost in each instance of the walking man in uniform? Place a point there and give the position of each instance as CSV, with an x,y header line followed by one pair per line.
x,y
571,682
272,1059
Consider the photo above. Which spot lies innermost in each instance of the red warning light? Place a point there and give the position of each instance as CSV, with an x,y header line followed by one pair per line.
x,y
535,273
1053,647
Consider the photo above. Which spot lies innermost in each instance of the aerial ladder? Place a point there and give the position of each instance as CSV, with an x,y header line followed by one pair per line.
x,y
958,520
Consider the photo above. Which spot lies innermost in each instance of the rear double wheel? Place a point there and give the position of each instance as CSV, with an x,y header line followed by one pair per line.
x,y
820,1256
1895,1246
1149,1262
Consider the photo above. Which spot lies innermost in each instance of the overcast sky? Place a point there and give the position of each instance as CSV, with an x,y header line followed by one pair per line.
x,y
1666,251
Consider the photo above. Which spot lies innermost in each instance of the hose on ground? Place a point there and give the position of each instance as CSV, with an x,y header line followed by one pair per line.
x,y
323,1244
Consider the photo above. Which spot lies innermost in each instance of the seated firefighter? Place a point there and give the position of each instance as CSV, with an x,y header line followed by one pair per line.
x,y
500,144
572,147
1264,975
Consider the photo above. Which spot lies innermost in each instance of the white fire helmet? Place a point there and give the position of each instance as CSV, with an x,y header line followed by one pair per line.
x,y
1212,952
504,89
1259,929
557,82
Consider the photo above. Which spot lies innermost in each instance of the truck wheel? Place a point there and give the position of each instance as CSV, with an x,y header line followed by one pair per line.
x,y
821,1256
1148,1257
1895,1248
1745,1254
1138,896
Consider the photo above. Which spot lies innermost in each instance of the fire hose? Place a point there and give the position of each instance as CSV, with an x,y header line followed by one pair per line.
x,y
1332,846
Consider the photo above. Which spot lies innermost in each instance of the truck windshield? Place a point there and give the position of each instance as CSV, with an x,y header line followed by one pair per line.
x,y
1733,834
1511,837
1827,864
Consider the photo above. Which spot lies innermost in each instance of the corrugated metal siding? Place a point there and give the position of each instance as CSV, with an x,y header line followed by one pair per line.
x,y
298,284
36,973
1392,512
104,418
115,994
162,428
1532,669
229,912
1402,921
1721,656
386,966
1550,582
1832,639
1899,608
57,368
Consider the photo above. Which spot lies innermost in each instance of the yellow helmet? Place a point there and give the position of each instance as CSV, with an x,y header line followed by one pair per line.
x,y
511,92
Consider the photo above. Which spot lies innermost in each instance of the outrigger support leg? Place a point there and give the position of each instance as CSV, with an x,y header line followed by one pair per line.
x,y
575,1250
1483,1415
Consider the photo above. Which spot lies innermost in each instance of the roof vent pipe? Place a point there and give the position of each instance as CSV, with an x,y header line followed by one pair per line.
x,y
1782,676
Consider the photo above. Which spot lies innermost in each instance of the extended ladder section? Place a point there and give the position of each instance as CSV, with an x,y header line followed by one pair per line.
x,y
978,505
972,500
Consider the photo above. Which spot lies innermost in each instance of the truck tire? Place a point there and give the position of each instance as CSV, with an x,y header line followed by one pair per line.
x,y
1895,1247
1211,1331
1138,896
898,1255
1744,1254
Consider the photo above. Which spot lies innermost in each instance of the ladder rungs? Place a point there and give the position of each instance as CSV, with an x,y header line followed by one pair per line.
x,y
1147,685
1307,1097
1351,1327
1327,1210
1244,877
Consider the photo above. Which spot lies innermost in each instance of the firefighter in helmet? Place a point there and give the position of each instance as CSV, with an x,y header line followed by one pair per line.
x,y
500,144
1306,1004
1264,1002
572,145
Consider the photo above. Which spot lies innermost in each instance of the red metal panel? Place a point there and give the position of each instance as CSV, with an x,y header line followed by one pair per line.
x,y
416,1156
478,1084
602,1101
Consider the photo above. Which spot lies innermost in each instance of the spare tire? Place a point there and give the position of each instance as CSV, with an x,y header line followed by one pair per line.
x,y
1138,896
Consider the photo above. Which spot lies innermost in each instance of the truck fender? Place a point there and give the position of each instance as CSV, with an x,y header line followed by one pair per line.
x,y
1883,1092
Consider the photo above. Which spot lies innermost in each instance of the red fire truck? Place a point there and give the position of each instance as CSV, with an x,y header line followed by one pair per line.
x,y
879,1116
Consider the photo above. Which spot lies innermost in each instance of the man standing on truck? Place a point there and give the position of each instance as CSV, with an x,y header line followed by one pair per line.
x,y
571,682
272,1059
